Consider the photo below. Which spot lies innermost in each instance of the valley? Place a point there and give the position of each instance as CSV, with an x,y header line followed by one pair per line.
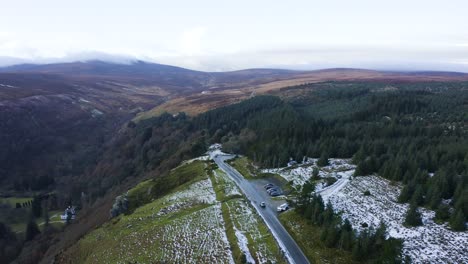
x,y
246,132
102,139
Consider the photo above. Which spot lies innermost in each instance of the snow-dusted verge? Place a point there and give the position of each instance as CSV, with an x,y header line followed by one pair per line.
x,y
248,222
430,243
243,245
201,158
201,191
230,187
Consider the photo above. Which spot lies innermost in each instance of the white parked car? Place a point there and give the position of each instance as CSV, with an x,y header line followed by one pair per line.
x,y
282,207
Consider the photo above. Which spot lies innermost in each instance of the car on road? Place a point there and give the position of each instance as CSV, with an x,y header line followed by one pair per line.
x,y
282,207
269,185
262,204
275,193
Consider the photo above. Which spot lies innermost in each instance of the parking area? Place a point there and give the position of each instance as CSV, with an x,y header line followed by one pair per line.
x,y
270,201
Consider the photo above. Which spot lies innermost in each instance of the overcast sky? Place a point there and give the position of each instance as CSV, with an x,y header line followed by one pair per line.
x,y
225,35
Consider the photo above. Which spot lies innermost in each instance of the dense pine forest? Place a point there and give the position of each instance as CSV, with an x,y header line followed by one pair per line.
x,y
416,133
413,133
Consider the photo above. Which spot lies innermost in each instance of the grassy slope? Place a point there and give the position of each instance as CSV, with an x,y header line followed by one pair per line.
x,y
143,235
148,190
141,229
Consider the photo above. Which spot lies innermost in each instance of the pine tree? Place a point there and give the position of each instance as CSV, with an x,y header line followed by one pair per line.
x,y
45,214
433,197
417,197
323,160
315,174
442,213
36,207
413,217
332,236
32,230
457,221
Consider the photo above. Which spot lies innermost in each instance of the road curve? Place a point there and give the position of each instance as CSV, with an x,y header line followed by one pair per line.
x,y
292,251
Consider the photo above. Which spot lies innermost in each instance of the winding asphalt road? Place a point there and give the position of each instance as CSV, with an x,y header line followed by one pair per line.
x,y
292,251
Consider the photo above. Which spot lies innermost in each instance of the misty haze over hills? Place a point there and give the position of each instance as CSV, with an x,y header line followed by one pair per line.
x,y
240,62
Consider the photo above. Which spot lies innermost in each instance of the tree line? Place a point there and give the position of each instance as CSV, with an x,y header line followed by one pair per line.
x,y
366,245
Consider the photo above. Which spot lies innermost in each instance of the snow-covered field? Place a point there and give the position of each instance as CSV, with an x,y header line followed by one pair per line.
x,y
251,226
299,174
201,191
430,243
198,237
186,226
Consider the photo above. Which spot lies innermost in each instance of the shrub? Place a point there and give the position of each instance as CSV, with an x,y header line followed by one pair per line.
x,y
120,205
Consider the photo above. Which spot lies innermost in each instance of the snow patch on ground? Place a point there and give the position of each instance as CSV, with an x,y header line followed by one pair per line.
x,y
201,158
199,236
243,245
301,173
343,179
430,243
215,150
248,222
6,85
83,100
201,191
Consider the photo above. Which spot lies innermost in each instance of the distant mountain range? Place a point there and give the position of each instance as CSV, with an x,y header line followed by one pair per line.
x,y
46,110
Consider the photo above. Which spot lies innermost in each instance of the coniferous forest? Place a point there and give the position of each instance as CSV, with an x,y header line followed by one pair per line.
x,y
416,134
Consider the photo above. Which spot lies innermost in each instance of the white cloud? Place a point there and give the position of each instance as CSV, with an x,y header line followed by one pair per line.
x,y
190,43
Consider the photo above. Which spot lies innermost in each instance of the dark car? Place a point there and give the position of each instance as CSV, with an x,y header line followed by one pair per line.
x,y
269,185
262,204
272,190
276,193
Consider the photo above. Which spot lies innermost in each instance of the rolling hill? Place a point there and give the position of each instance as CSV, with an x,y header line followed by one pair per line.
x,y
54,115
